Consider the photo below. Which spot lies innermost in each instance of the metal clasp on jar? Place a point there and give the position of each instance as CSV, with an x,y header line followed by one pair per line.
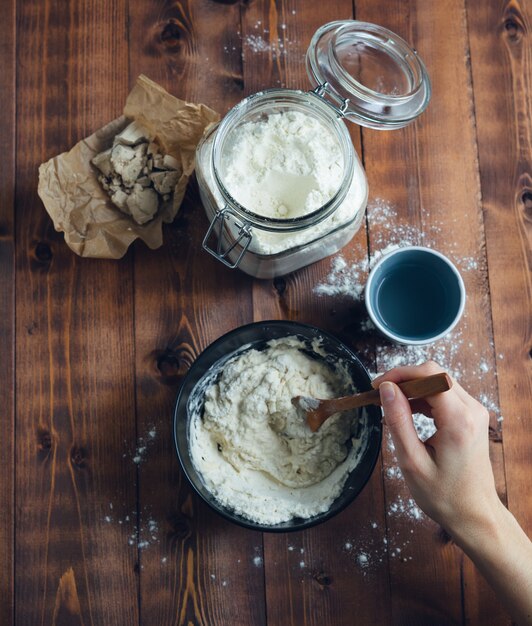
x,y
244,235
335,101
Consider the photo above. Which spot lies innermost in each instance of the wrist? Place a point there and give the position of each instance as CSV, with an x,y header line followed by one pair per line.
x,y
488,528
502,552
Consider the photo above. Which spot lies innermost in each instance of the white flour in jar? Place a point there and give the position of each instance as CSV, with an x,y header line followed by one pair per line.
x,y
254,449
285,166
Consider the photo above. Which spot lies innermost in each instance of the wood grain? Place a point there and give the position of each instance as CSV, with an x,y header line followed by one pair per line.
x,y
7,312
200,569
75,378
429,176
98,524
501,62
314,577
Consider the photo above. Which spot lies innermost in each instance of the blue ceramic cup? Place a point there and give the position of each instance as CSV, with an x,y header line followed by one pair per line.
x,y
414,295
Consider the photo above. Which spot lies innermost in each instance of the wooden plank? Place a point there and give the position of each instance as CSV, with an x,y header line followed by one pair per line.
x,y
499,36
81,359
7,311
196,568
319,576
430,179
75,376
500,60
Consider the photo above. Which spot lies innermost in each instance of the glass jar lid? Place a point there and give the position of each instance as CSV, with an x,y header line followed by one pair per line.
x,y
378,79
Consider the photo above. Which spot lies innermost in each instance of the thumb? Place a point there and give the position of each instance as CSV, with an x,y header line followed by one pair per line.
x,y
398,418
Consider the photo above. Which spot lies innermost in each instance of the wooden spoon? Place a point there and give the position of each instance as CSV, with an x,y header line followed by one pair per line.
x,y
317,411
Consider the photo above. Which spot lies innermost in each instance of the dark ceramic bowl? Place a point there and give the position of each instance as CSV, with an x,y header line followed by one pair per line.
x,y
191,397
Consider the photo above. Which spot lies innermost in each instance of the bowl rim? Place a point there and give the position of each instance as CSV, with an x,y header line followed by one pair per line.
x,y
403,339
371,455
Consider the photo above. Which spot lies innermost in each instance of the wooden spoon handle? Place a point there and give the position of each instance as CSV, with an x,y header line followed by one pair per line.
x,y
426,386
417,388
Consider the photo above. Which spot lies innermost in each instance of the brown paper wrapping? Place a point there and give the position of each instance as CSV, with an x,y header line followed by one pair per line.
x,y
75,200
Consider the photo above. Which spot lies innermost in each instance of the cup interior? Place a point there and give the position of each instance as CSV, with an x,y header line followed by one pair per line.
x,y
415,295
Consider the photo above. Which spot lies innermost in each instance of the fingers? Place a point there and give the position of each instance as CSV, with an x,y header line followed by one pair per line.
x,y
446,408
420,405
466,398
409,372
398,416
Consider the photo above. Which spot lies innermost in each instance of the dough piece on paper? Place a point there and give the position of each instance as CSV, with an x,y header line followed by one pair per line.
x,y
78,204
142,203
128,162
103,162
164,182
132,135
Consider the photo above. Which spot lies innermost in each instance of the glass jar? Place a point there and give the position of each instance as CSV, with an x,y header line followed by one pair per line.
x,y
363,73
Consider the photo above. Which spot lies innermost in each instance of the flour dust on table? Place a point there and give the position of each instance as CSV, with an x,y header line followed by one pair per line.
x,y
347,280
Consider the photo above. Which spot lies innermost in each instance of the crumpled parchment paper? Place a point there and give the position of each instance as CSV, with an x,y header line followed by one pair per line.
x,y
75,200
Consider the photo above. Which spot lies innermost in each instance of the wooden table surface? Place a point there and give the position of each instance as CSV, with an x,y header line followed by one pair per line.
x,y
98,525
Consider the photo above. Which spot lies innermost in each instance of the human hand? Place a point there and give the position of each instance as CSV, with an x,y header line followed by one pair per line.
x,y
450,475
451,479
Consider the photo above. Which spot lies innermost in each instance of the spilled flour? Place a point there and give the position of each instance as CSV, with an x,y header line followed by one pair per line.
x,y
143,444
347,280
369,551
